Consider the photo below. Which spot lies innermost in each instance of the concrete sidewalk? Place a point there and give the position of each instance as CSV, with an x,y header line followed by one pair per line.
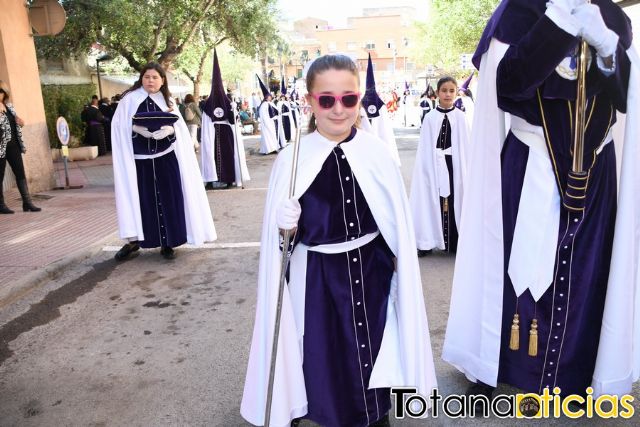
x,y
72,226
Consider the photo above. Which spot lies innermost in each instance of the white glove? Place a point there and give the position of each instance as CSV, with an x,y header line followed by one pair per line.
x,y
594,31
163,132
141,130
288,214
560,12
566,5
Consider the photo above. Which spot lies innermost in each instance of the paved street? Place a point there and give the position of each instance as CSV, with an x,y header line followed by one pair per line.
x,y
150,342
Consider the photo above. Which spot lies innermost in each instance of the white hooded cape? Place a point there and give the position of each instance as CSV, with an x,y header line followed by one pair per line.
x,y
197,212
208,154
405,356
472,340
268,131
425,196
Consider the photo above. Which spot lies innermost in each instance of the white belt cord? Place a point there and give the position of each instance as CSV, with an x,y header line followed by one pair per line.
x,y
298,273
154,156
535,236
442,172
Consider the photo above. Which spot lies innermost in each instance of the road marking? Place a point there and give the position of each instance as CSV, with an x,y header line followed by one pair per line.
x,y
203,246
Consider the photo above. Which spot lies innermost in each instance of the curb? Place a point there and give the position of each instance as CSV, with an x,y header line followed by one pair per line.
x,y
32,280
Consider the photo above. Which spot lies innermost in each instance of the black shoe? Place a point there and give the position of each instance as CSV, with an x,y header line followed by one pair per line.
x,y
382,422
30,207
295,422
4,209
209,186
27,204
480,388
423,253
220,185
167,252
126,251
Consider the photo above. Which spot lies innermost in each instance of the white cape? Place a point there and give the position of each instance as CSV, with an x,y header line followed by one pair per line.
x,y
382,127
268,132
405,356
208,156
425,196
197,212
472,340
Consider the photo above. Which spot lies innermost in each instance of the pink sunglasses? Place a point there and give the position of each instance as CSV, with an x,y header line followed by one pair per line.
x,y
327,101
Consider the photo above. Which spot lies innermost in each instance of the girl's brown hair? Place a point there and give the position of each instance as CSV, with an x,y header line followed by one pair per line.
x,y
330,62
164,89
446,79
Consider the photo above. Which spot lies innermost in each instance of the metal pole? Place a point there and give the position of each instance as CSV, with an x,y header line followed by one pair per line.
x,y
581,97
66,171
99,82
283,269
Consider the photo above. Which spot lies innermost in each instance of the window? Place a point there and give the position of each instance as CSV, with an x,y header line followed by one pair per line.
x,y
390,44
370,45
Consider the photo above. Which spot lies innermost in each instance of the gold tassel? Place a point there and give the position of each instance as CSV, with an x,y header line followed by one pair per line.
x,y
514,343
533,338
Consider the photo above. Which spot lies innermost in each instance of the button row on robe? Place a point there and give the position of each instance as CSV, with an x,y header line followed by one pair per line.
x,y
558,325
362,332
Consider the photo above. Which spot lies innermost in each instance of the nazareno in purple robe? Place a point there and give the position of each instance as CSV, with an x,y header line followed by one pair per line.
x,y
159,189
447,209
346,306
569,314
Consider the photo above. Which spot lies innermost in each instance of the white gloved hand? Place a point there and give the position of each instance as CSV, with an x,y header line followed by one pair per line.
x,y
566,5
163,132
288,214
594,31
560,12
141,130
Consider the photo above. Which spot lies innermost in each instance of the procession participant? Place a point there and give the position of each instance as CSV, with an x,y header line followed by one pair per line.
x,y
159,196
287,122
554,310
377,115
222,151
439,173
353,278
269,123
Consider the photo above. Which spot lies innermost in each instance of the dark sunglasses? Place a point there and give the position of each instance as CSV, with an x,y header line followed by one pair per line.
x,y
326,101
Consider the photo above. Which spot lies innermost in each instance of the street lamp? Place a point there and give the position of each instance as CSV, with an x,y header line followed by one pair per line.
x,y
103,58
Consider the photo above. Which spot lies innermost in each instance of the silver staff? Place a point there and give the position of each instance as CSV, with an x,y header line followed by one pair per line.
x,y
283,270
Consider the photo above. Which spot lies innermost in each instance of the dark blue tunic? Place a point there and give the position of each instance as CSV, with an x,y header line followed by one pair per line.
x,y
569,314
346,300
286,123
159,189
447,209
224,148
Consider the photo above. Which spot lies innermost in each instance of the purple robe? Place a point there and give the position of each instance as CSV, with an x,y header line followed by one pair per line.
x,y
569,314
159,189
346,307
224,149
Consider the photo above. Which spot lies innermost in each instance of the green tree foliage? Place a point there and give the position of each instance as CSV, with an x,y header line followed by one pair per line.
x,y
66,101
160,30
454,28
